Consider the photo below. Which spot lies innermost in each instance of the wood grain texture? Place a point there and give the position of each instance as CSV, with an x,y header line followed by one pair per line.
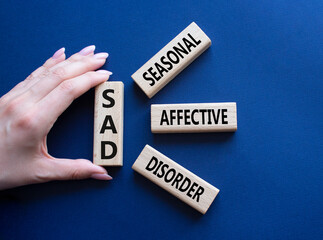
x,y
175,179
108,124
195,117
171,59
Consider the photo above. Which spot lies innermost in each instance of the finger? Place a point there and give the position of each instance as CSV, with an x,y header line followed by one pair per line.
x,y
69,169
55,103
60,74
77,65
59,56
43,72
23,86
87,51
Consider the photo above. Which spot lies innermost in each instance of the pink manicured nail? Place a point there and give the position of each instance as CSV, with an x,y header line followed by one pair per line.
x,y
58,53
101,176
104,71
102,55
99,169
87,50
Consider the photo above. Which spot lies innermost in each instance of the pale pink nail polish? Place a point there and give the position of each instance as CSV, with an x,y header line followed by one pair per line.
x,y
87,50
104,71
58,53
102,55
101,176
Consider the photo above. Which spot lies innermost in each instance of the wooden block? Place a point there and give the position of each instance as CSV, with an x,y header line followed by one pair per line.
x,y
196,117
175,179
171,59
108,124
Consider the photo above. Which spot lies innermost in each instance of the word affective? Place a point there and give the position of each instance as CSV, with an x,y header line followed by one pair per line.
x,y
196,117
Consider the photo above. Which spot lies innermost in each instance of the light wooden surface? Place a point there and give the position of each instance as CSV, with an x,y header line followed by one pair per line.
x,y
108,124
195,117
170,61
195,191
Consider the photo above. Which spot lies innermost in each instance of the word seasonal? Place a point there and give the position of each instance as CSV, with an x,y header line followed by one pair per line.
x,y
108,124
198,117
175,179
171,59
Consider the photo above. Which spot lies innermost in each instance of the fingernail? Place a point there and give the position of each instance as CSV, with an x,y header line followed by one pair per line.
x,y
101,176
102,55
104,71
58,53
87,50
99,169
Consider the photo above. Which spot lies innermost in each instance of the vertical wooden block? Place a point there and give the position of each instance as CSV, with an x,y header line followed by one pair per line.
x,y
171,59
175,179
196,117
108,124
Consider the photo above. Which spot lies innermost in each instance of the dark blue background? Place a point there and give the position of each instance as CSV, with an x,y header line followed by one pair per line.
x,y
266,55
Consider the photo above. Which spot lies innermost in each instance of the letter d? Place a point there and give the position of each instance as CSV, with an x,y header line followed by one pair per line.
x,y
182,188
153,161
104,154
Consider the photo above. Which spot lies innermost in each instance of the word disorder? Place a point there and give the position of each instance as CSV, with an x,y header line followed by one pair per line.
x,y
198,117
108,124
171,59
175,179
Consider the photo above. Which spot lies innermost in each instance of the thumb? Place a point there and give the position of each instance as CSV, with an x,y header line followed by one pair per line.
x,y
70,169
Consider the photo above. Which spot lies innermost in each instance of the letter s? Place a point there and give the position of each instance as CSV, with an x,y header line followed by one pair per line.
x,y
106,97
152,81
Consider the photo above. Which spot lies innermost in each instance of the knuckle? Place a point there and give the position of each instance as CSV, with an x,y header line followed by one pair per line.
x,y
75,174
26,122
59,72
42,68
41,173
32,91
21,84
45,73
13,106
30,77
67,86
35,74
3,100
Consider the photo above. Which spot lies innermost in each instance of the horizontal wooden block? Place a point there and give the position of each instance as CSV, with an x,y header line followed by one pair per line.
x,y
196,117
175,179
108,124
171,59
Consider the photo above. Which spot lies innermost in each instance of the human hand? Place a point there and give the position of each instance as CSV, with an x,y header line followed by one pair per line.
x,y
29,110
